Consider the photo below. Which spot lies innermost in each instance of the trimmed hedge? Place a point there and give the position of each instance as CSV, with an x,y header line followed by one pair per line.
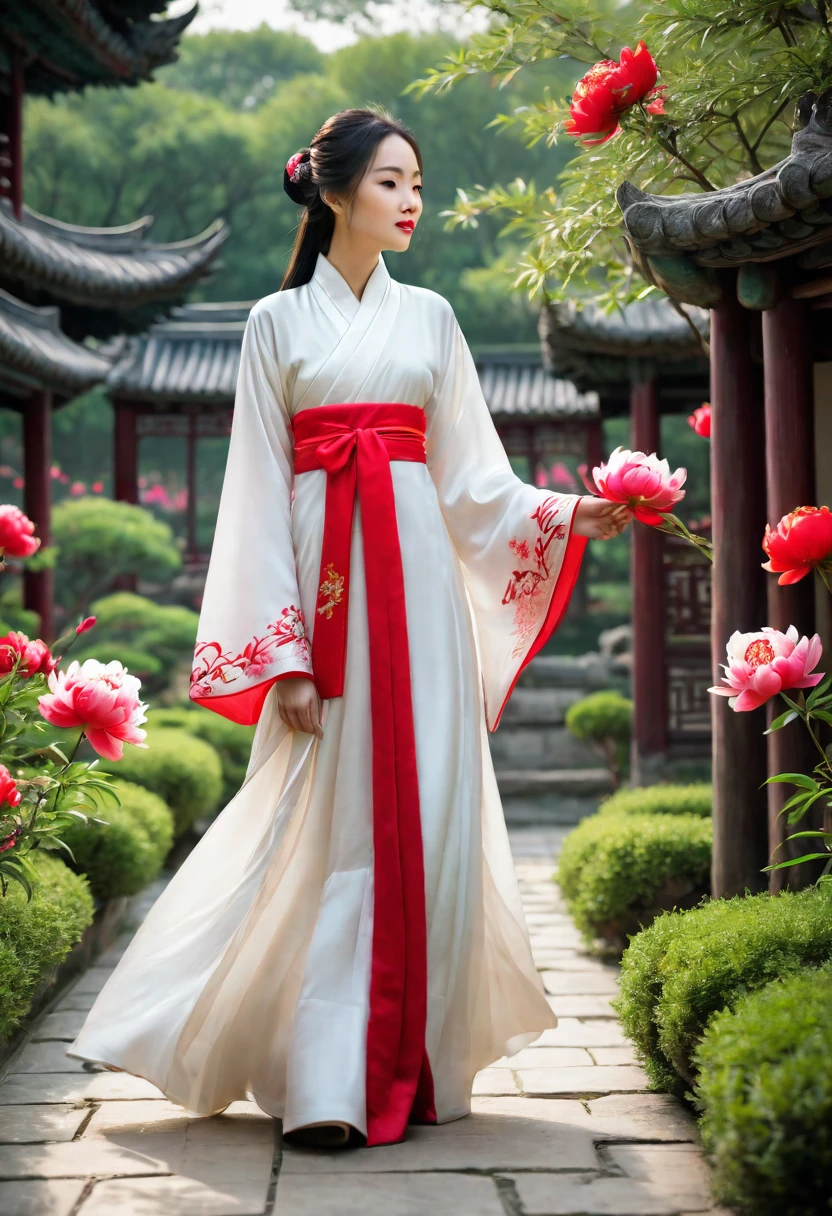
x,y
125,855
617,871
184,771
696,799
36,936
689,965
231,741
604,718
765,1078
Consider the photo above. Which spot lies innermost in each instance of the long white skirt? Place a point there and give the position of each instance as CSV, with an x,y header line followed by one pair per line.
x,y
250,976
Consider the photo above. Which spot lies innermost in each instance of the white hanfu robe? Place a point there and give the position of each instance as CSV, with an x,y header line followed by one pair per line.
x,y
251,975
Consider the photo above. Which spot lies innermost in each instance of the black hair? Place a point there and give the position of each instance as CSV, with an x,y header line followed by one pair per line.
x,y
336,160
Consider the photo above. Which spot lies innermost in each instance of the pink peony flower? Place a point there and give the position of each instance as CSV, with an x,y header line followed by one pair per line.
x,y
86,624
35,655
77,489
19,483
9,793
700,420
643,482
762,664
16,532
97,487
100,697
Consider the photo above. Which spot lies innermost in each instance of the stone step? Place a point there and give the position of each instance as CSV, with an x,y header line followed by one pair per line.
x,y
587,672
538,706
539,747
554,783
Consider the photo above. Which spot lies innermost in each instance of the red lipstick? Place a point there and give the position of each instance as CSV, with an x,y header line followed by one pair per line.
x,y
406,225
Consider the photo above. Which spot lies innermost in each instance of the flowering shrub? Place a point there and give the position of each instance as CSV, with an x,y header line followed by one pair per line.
x,y
609,89
16,533
42,790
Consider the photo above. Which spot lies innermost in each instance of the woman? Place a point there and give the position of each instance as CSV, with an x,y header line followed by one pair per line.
x,y
346,944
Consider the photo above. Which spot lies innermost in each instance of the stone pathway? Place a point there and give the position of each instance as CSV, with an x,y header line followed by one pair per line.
x,y
564,1128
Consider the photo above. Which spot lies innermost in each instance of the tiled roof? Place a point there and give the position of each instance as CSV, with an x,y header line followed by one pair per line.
x,y
194,356
35,353
68,44
106,272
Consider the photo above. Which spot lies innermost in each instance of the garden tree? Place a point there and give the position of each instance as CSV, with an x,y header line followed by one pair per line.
x,y
98,540
732,73
241,68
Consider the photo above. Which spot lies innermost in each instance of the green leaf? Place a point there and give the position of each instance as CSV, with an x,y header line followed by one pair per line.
x,y
818,691
806,783
783,865
782,720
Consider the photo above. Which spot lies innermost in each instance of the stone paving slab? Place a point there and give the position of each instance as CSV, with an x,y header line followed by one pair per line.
x,y
594,1081
74,1087
37,1197
64,1026
582,1032
588,1195
582,1006
497,1082
38,1124
173,1196
500,1134
599,982
45,1057
546,1057
406,1194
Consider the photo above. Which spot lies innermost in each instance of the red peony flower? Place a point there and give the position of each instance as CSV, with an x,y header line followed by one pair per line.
x,y
16,532
801,541
9,793
34,655
86,624
610,88
700,420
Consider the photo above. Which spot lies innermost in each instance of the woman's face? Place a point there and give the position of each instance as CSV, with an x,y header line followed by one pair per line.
x,y
388,201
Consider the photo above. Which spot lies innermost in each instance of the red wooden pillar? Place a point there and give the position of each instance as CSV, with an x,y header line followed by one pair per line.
x,y
11,132
738,512
38,587
125,470
125,454
190,483
594,443
650,704
790,472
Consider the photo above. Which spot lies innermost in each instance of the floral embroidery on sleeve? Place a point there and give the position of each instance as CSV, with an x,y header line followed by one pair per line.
x,y
527,587
217,666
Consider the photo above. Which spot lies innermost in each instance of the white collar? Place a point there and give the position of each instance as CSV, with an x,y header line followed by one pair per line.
x,y
339,291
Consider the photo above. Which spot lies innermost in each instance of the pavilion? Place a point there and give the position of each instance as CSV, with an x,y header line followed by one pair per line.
x,y
758,255
61,284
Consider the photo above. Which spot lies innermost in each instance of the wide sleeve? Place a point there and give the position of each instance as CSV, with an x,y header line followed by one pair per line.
x,y
251,626
520,557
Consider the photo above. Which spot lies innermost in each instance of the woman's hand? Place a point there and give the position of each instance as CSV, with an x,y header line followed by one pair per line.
x,y
600,519
299,705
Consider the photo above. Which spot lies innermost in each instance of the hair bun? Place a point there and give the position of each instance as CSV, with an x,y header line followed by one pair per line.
x,y
297,174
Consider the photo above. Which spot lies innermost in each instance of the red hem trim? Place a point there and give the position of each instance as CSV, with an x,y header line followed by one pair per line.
x,y
564,586
246,705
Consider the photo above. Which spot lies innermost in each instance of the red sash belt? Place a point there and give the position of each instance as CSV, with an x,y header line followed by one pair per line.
x,y
355,443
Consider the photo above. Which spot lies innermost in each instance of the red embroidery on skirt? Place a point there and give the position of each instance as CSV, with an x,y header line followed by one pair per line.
x,y
214,665
526,588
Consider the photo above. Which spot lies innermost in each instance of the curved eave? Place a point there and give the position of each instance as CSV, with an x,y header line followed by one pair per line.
x,y
73,267
71,43
34,353
784,212
649,328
